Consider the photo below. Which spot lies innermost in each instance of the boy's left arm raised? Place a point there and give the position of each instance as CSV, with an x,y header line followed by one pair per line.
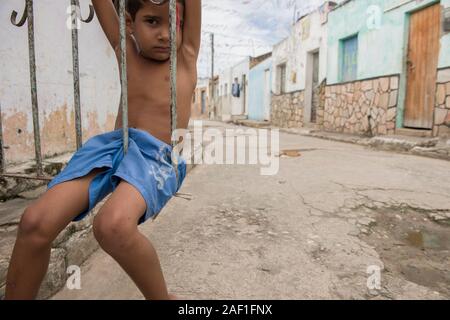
x,y
192,27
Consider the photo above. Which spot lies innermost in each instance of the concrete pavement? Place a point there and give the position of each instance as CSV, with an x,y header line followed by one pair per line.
x,y
319,229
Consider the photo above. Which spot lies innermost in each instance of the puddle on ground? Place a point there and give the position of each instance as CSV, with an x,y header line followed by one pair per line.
x,y
290,153
425,240
413,248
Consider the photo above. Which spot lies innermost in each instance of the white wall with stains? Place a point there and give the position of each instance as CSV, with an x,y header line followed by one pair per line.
x,y
308,35
99,79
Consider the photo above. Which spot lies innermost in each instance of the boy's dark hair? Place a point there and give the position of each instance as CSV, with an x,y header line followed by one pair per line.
x,y
133,6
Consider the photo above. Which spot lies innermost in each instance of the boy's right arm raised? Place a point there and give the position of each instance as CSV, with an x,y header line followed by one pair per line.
x,y
109,20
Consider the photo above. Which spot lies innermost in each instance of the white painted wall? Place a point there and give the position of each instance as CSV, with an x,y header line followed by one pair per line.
x,y
100,88
228,105
224,112
308,35
202,82
237,104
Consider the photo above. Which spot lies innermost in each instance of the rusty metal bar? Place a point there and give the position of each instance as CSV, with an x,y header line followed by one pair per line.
x,y
76,15
76,74
34,98
2,154
173,65
22,20
24,176
123,74
28,16
173,76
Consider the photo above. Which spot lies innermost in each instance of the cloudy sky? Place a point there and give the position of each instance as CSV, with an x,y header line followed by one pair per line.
x,y
245,27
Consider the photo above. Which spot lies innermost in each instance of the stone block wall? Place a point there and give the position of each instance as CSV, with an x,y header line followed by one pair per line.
x,y
321,107
287,109
72,247
362,107
442,112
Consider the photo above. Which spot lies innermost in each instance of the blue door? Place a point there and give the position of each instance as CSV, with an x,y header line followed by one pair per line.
x,y
349,63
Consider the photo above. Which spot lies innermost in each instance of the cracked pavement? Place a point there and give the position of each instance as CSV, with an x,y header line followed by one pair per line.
x,y
309,232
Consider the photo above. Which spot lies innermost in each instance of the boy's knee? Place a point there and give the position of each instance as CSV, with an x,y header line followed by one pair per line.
x,y
112,231
32,225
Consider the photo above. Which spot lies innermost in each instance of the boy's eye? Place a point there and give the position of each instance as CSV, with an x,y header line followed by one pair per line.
x,y
151,21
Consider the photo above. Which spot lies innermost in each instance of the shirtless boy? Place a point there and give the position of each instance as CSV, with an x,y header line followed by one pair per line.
x,y
142,180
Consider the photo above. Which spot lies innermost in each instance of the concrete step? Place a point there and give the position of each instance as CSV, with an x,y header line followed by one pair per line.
x,y
239,117
421,133
253,123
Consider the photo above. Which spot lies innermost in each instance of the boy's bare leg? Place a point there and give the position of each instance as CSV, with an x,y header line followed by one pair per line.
x,y
40,224
116,230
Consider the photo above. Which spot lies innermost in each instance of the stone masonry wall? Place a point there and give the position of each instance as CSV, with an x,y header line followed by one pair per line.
x,y
351,107
321,107
71,248
287,109
442,111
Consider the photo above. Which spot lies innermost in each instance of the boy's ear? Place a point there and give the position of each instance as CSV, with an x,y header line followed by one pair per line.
x,y
129,23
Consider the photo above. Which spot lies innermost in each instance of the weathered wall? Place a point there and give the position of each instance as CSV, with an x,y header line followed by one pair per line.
x,y
381,46
239,106
351,107
309,34
442,111
100,89
444,57
287,110
196,107
224,98
256,89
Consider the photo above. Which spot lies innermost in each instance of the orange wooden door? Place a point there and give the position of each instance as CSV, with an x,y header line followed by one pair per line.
x,y
423,54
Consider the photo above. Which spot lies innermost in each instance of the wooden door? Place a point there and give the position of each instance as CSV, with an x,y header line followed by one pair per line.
x,y
423,54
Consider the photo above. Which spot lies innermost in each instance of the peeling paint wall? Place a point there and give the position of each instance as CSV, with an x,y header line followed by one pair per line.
x,y
257,93
228,105
382,28
239,106
99,80
196,106
224,97
308,35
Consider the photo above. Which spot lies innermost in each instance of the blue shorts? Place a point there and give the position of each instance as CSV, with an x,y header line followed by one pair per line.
x,y
147,166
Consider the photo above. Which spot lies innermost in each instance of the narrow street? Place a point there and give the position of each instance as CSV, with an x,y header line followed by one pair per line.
x,y
310,232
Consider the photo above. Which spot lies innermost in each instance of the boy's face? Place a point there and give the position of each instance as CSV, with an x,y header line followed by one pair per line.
x,y
151,29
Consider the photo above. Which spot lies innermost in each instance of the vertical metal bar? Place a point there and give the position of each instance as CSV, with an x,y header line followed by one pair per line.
x,y
34,99
173,63
2,155
173,75
123,74
76,72
213,84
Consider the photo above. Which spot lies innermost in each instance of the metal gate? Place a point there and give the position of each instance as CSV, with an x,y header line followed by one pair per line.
x,y
28,16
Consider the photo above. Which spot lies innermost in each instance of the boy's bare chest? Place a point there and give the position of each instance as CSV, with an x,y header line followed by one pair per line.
x,y
152,83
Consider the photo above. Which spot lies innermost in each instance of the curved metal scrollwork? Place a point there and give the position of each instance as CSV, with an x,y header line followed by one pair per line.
x,y
22,20
76,3
91,15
